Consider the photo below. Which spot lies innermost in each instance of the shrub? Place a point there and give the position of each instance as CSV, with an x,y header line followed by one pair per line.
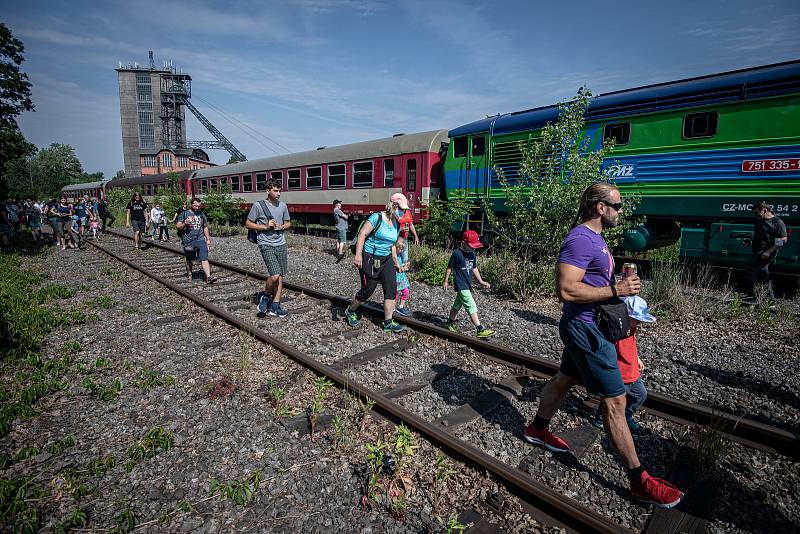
x,y
429,264
440,217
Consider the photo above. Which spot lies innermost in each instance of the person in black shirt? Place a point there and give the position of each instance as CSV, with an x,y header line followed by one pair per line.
x,y
769,234
137,213
104,214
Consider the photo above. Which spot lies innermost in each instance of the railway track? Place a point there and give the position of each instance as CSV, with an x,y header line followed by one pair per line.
x,y
233,294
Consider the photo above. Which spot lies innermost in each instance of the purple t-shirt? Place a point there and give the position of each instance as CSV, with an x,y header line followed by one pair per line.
x,y
586,250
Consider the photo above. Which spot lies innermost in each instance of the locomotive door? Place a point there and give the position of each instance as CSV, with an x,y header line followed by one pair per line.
x,y
478,165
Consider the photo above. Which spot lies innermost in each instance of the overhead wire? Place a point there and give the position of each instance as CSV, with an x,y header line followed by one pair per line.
x,y
241,125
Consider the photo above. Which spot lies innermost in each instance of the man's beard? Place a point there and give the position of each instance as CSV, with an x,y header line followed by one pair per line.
x,y
609,222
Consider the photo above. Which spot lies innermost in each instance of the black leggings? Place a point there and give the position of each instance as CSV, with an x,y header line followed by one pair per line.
x,y
385,274
163,230
110,218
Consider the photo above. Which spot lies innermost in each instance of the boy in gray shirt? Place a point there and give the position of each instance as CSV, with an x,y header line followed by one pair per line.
x,y
270,227
341,229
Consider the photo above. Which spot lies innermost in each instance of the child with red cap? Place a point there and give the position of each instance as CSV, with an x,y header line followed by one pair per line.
x,y
463,265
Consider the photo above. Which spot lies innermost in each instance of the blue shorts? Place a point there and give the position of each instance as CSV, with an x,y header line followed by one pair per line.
x,y
589,356
196,250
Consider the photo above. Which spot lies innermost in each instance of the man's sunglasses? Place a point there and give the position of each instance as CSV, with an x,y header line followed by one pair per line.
x,y
616,205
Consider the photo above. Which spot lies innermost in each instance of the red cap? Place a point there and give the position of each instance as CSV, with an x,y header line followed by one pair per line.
x,y
471,239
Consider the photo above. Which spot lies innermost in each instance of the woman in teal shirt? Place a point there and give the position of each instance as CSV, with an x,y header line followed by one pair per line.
x,y
376,261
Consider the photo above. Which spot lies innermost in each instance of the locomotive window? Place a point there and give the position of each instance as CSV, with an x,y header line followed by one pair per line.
x,y
247,183
314,178
235,184
620,132
411,175
278,177
460,147
362,174
261,181
336,176
697,125
388,173
293,179
478,146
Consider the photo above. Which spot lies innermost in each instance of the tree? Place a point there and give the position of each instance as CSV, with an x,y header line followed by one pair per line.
x,y
232,159
91,177
120,175
53,168
14,151
541,202
15,89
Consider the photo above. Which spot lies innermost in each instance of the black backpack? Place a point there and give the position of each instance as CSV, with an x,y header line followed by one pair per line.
x,y
252,235
371,234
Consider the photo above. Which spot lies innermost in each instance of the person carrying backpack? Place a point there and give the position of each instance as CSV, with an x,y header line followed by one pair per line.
x,y
376,261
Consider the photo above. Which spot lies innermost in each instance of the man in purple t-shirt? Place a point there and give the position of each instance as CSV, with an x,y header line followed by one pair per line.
x,y
585,276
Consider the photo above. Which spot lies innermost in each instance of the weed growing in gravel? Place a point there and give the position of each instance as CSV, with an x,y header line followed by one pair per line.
x,y
711,445
452,525
63,444
74,483
375,454
104,302
156,440
366,408
339,427
276,395
148,378
105,392
125,519
99,466
26,452
16,513
403,447
72,347
245,350
239,492
442,470
321,387
76,519
735,306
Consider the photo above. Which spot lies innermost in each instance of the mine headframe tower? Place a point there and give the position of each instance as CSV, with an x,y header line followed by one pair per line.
x,y
176,92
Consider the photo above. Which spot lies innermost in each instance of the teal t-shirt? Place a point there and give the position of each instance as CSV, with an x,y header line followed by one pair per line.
x,y
380,244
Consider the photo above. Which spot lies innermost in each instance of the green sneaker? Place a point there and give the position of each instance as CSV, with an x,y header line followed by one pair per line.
x,y
352,318
485,333
393,326
451,325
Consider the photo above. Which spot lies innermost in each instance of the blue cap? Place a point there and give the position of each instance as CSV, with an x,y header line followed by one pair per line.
x,y
638,309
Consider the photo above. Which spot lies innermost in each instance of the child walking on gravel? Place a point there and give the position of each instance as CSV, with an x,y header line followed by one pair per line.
x,y
463,266
403,284
630,365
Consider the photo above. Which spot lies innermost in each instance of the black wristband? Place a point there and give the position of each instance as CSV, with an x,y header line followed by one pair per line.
x,y
613,290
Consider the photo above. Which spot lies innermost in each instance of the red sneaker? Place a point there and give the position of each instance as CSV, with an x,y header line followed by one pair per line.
x,y
545,438
656,491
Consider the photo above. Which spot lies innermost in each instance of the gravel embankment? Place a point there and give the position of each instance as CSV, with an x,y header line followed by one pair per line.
x,y
598,481
174,362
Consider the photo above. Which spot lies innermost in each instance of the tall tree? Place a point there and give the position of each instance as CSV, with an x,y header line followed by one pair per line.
x,y
49,170
120,174
15,88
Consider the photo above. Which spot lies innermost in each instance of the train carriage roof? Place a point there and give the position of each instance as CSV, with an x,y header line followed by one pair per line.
x,y
400,144
86,185
757,82
147,179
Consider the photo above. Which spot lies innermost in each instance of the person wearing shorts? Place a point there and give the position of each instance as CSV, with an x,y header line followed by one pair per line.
x,y
64,213
136,215
270,226
464,266
585,277
195,239
377,262
340,218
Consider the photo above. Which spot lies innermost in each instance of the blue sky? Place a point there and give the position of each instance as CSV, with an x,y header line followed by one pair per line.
x,y
309,73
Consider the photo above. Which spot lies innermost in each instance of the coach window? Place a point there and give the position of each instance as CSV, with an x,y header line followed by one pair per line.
x,y
314,178
362,174
247,183
388,173
336,176
697,125
293,179
460,147
478,146
411,175
261,181
277,176
235,187
212,184
619,132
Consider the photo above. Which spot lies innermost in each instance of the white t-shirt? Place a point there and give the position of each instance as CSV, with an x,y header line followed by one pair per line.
x,y
156,214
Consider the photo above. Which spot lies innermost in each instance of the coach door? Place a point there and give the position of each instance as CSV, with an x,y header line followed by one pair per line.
x,y
412,167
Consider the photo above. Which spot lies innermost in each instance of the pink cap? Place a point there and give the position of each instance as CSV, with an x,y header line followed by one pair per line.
x,y
400,199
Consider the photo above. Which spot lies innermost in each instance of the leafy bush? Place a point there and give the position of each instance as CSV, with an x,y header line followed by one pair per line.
x,y
171,197
541,203
440,217
222,207
429,264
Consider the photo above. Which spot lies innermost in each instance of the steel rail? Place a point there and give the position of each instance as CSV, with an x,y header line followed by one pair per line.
x,y
566,511
748,432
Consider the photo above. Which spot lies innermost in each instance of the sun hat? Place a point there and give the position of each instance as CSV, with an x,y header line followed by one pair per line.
x,y
471,238
400,199
638,309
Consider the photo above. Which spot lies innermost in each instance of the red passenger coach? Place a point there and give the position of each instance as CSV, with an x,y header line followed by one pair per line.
x,y
362,175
